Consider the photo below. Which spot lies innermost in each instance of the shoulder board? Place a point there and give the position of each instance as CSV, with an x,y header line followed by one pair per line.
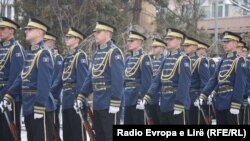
x,y
39,53
77,56
21,48
142,58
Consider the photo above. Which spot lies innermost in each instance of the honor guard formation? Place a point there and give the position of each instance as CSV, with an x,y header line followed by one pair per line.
x,y
177,83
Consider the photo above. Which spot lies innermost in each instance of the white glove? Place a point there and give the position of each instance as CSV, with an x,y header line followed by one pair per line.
x,y
140,105
201,102
78,105
177,112
248,100
234,111
7,105
1,106
210,99
196,103
113,109
38,115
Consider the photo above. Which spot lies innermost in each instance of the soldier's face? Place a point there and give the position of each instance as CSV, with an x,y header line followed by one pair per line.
x,y
50,43
6,33
101,36
190,49
157,50
239,50
230,45
32,33
133,45
244,54
202,52
173,43
70,41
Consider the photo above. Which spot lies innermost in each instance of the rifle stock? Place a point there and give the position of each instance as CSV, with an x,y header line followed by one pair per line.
x,y
12,126
55,133
91,115
206,117
149,119
89,130
87,126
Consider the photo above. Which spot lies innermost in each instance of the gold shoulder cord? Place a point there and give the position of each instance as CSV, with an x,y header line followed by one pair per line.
x,y
196,63
69,69
132,71
111,55
229,72
99,69
35,60
86,57
169,76
6,57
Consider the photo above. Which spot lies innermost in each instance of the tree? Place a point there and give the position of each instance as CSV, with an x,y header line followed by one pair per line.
x,y
150,17
184,15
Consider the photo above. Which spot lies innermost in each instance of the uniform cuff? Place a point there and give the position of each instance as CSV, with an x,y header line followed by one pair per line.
x,y
179,107
147,98
39,108
8,98
115,103
235,105
203,96
81,97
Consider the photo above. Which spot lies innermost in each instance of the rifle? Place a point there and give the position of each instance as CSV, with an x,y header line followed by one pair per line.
x,y
55,133
91,115
149,119
12,126
206,118
87,125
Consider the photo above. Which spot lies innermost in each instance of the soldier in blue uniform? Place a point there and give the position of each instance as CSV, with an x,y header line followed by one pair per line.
x,y
35,80
50,40
106,81
158,47
73,74
199,77
230,78
242,50
173,82
11,63
138,76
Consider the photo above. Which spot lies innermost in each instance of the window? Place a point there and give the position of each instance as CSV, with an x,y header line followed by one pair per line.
x,y
6,8
186,10
9,12
223,9
206,11
246,3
